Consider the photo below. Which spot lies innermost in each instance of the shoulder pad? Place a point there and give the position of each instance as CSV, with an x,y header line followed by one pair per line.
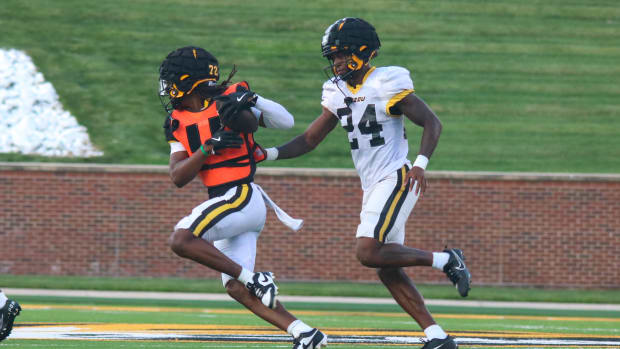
x,y
170,125
243,84
327,97
237,87
329,86
394,73
395,80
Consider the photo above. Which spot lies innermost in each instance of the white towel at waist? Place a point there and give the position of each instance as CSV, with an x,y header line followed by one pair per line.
x,y
287,220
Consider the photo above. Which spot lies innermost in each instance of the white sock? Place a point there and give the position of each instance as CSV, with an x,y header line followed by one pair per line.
x,y
297,327
2,299
440,259
245,276
434,331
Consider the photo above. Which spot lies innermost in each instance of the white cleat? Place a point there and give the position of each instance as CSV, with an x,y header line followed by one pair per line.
x,y
264,288
313,339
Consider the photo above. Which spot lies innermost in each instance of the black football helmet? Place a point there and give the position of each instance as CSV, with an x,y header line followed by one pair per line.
x,y
353,36
182,71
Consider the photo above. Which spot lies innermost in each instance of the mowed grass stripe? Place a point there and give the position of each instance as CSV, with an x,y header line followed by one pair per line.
x,y
314,313
477,63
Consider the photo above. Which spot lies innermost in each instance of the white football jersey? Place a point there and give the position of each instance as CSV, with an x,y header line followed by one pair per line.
x,y
377,138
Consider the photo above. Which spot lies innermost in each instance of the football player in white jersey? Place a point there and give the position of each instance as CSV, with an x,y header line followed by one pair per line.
x,y
371,104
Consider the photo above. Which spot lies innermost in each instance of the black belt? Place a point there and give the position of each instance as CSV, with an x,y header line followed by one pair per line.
x,y
221,189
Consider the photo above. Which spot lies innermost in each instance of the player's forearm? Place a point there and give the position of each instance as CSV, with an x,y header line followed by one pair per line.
x,y
296,147
307,141
184,171
430,136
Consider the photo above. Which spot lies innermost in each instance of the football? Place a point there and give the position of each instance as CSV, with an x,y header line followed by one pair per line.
x,y
244,121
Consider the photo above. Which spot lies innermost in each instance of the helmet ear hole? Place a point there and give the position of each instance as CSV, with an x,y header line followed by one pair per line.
x,y
355,63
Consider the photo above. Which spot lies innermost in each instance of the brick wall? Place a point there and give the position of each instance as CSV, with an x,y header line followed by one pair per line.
x,y
515,229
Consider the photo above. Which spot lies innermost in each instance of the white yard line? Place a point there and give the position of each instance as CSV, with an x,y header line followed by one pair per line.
x,y
312,299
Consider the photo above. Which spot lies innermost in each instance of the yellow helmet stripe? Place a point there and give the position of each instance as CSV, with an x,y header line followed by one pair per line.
x,y
198,83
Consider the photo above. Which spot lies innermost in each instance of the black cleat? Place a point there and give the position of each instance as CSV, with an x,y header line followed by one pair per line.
x,y
446,343
457,271
312,339
7,315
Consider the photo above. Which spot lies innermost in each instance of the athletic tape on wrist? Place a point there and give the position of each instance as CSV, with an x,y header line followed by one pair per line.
x,y
421,161
272,153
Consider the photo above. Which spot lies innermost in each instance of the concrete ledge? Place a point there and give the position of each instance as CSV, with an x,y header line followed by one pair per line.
x,y
313,172
79,167
525,176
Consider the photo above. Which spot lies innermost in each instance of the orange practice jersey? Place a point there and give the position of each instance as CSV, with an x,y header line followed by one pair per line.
x,y
230,165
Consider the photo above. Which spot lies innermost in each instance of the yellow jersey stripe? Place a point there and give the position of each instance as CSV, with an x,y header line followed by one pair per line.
x,y
397,98
356,89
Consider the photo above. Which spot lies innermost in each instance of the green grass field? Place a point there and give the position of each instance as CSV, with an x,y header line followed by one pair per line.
x,y
521,85
49,322
296,288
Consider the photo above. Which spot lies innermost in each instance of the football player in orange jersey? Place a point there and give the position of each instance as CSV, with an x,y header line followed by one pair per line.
x,y
210,129
371,104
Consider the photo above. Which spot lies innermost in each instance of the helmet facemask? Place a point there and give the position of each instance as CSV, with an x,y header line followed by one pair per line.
x,y
167,93
170,95
353,64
